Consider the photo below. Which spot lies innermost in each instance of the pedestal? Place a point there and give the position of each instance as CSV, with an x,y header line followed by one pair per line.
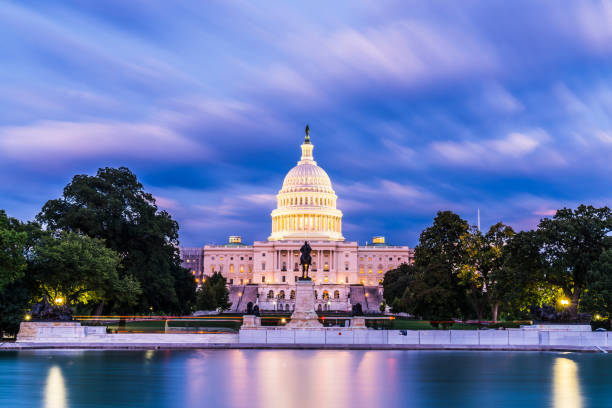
x,y
358,323
304,315
250,322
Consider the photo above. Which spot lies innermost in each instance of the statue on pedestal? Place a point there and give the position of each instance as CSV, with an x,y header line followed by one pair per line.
x,y
305,260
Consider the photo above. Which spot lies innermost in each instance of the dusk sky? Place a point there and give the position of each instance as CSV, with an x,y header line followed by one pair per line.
x,y
413,106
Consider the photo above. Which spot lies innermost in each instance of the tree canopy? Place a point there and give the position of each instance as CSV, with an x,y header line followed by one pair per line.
x,y
112,206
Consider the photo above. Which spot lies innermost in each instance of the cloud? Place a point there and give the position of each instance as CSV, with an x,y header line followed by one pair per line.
x,y
57,140
509,152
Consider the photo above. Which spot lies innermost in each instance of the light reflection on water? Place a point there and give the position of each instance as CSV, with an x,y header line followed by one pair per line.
x,y
302,378
566,384
55,390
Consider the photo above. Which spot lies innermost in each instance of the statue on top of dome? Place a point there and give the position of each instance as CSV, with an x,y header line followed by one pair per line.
x,y
305,260
307,138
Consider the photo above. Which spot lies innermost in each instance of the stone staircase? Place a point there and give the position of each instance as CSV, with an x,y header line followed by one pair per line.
x,y
373,299
240,296
235,298
358,296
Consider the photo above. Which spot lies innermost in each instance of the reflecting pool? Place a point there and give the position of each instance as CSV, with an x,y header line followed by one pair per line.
x,y
303,378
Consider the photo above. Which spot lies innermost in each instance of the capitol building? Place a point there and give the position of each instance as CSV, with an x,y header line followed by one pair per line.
x,y
264,273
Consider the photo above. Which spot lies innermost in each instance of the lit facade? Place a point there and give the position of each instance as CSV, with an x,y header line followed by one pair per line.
x,y
264,273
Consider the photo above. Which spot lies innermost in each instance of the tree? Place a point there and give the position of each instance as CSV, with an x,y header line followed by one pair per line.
x,y
213,294
76,269
570,243
434,287
598,297
113,206
481,271
12,250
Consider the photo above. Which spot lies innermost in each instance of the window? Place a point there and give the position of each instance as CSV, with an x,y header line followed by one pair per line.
x,y
361,269
263,254
370,269
281,294
326,267
370,259
295,278
283,278
231,258
241,268
390,258
292,294
263,266
271,294
346,266
325,279
242,258
263,279
220,258
231,281
250,258
346,279
325,295
231,268
337,294
361,258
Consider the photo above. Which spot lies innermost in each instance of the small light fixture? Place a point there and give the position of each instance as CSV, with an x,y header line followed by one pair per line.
x,y
59,301
28,317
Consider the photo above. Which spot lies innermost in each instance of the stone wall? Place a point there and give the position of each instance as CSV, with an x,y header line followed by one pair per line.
x,y
510,337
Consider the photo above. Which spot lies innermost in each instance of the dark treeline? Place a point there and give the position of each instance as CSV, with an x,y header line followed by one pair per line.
x,y
103,248
565,265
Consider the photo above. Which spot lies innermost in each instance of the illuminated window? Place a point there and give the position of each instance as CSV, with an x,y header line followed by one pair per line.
x,y
369,270
212,269
325,295
326,279
361,269
220,258
231,268
370,259
363,281
326,267
337,294
361,258
188,261
241,268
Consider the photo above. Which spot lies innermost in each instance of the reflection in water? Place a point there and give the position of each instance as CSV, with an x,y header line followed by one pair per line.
x,y
566,385
55,389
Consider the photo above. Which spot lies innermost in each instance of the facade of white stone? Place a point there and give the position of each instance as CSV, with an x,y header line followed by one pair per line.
x,y
306,211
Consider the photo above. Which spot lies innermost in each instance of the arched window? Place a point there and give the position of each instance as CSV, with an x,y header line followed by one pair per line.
x,y
281,294
316,294
271,294
337,294
287,307
292,294
319,308
325,295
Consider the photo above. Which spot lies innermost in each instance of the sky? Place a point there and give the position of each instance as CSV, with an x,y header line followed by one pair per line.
x,y
414,107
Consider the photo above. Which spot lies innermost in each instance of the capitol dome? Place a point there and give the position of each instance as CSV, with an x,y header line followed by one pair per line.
x,y
306,204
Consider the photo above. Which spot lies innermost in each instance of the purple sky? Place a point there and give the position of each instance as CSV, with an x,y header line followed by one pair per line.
x,y
414,107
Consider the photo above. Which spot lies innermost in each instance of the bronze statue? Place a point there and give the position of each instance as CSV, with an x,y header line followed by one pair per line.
x,y
305,260
307,138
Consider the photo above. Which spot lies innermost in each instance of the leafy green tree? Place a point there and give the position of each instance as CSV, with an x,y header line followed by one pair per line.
x,y
14,300
113,206
12,250
570,243
598,297
75,268
481,271
213,294
439,257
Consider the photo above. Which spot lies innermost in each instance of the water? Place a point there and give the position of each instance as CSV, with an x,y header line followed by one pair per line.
x,y
303,378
